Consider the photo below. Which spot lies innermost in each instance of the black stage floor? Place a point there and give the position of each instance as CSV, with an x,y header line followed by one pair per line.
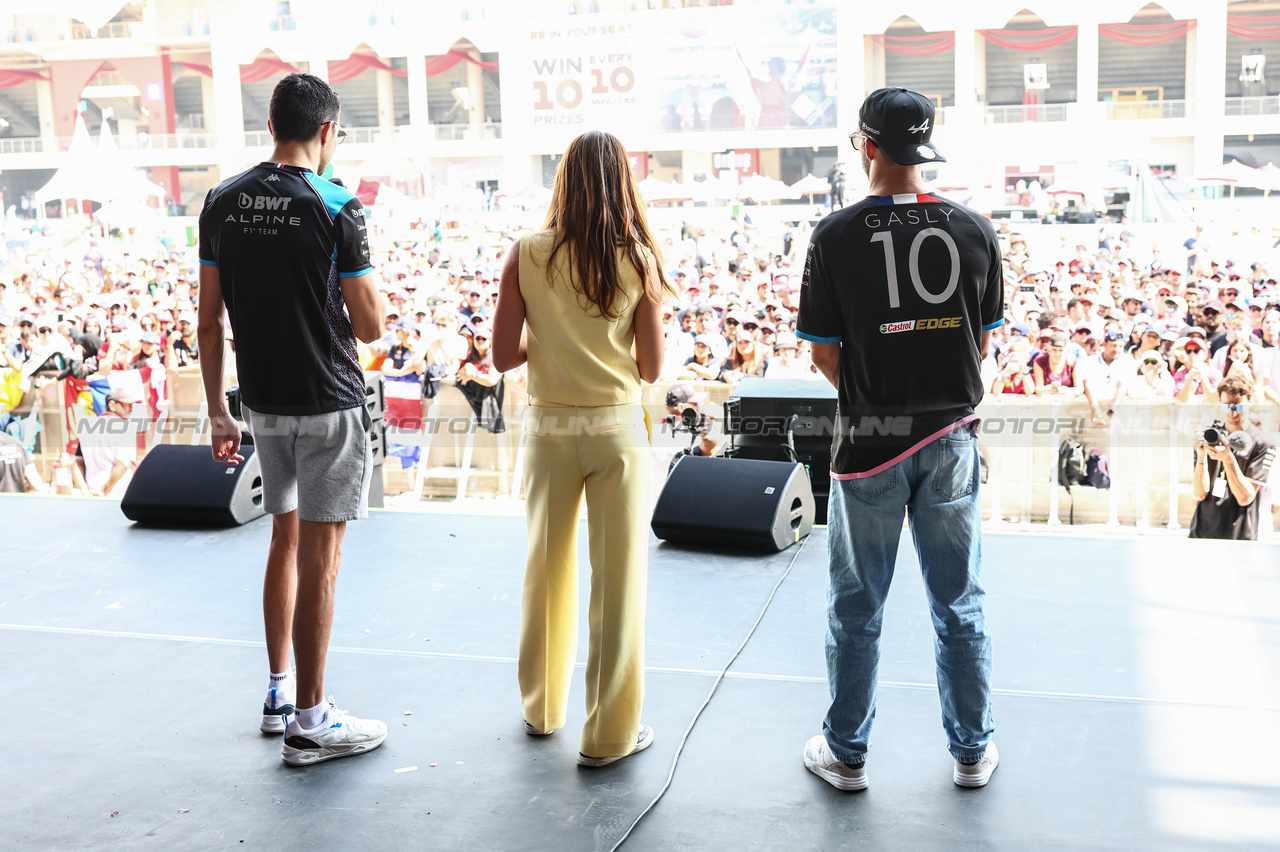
x,y
1137,706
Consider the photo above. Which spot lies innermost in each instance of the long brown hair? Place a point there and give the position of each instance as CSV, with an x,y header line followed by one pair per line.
x,y
737,362
595,210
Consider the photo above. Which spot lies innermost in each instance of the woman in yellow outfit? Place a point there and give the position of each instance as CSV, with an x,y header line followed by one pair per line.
x,y
580,301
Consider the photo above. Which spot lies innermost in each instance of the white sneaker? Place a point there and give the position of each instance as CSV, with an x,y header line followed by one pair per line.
x,y
644,739
341,735
277,707
979,773
819,760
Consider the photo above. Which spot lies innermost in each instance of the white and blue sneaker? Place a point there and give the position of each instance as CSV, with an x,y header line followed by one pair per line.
x,y
277,707
340,735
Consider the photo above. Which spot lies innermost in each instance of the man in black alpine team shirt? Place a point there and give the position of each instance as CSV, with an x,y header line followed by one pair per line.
x,y
286,254
900,294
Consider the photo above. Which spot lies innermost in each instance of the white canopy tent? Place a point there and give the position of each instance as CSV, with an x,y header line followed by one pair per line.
x,y
761,190
812,185
98,173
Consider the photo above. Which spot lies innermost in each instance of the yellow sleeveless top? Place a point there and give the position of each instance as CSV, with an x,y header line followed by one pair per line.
x,y
576,356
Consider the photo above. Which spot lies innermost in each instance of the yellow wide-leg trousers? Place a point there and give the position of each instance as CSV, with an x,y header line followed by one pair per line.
x,y
604,453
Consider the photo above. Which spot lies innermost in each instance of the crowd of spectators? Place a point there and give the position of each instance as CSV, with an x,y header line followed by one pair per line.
x,y
1100,322
1107,325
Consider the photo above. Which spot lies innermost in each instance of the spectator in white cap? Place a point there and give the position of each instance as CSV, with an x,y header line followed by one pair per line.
x,y
746,359
183,347
109,445
787,363
702,364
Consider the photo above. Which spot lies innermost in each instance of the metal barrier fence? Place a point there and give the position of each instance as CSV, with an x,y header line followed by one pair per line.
x,y
1148,448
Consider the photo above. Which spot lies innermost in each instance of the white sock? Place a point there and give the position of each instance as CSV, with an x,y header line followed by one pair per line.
x,y
276,681
310,718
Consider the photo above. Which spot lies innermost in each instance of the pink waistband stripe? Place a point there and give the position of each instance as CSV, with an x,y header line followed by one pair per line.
x,y
844,477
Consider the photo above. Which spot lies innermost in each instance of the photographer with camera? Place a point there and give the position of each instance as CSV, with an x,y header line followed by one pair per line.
x,y
1233,463
684,415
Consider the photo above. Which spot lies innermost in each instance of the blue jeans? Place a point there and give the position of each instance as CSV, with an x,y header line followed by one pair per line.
x,y
938,487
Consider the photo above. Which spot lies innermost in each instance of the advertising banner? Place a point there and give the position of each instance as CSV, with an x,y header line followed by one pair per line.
x,y
681,71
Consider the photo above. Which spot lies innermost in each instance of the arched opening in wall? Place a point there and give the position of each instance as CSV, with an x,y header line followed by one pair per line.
x,y
918,59
257,80
1027,68
1253,57
464,93
373,92
19,108
1142,65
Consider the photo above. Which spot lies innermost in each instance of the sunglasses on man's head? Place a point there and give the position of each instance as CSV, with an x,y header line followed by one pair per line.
x,y
1233,407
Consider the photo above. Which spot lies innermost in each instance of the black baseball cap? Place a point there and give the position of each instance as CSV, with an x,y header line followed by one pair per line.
x,y
901,122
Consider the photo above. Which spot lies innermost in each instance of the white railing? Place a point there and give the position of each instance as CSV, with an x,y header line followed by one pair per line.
x,y
129,142
355,136
1019,113
1268,105
464,132
1127,110
115,29
22,145
167,141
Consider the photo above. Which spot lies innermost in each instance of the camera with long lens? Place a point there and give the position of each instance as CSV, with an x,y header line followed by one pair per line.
x,y
689,420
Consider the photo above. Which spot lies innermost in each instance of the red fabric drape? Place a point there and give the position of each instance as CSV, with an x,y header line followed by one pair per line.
x,y
1250,26
263,68
1030,100
445,61
1030,40
367,191
1142,34
199,69
923,45
9,79
355,65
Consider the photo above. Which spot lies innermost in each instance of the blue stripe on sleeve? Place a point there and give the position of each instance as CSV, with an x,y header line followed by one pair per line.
x,y
334,197
815,339
357,273
992,325
204,262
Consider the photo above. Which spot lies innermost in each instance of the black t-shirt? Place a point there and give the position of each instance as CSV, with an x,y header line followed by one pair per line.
x,y
14,459
282,239
905,284
1218,515
187,352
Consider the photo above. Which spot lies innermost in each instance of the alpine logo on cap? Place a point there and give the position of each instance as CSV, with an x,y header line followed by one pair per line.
x,y
922,127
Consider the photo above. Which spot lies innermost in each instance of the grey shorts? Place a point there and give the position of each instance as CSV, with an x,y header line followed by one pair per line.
x,y
319,464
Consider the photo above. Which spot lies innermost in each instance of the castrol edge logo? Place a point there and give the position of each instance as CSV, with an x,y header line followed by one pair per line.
x,y
920,325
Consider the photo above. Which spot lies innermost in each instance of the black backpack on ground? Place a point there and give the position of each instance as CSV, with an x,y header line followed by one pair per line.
x,y
1072,468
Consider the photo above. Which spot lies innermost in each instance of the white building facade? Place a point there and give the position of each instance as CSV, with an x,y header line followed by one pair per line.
x,y
487,94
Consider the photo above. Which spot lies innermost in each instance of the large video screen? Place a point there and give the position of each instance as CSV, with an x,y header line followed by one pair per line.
x,y
688,70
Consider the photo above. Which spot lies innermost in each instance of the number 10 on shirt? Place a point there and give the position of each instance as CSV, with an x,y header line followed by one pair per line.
x,y
913,265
